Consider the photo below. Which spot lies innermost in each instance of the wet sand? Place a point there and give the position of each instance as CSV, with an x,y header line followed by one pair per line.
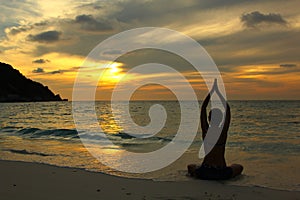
x,y
20,180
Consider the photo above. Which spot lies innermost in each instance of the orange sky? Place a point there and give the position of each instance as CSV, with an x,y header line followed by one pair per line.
x,y
255,44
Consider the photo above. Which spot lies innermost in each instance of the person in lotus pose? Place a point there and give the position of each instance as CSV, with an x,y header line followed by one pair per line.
x,y
214,165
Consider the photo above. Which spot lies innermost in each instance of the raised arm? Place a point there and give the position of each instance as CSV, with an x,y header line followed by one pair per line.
x,y
226,106
227,118
204,122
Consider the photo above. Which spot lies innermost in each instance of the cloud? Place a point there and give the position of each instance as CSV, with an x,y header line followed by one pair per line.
x,y
42,23
41,61
47,37
61,71
255,18
12,12
171,10
41,71
14,30
113,52
38,70
136,10
81,24
56,72
89,23
248,47
143,56
17,30
288,65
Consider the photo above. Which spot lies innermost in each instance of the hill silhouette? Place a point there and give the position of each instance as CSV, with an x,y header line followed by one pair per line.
x,y
15,87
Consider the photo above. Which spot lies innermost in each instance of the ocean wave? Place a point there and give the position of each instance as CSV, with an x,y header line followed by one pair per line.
x,y
25,152
39,133
121,137
128,136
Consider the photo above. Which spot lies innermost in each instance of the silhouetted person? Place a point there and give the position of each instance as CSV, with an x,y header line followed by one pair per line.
x,y
214,165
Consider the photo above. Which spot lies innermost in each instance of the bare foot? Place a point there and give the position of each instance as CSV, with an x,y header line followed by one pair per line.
x,y
237,169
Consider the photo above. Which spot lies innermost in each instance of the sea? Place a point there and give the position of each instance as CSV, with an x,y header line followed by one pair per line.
x,y
264,137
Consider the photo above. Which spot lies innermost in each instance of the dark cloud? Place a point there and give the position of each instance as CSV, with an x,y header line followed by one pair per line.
x,y
38,70
61,71
56,72
98,5
41,61
84,18
42,23
89,23
41,71
48,37
81,46
255,18
288,65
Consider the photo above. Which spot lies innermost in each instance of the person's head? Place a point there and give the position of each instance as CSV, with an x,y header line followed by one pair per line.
x,y
217,115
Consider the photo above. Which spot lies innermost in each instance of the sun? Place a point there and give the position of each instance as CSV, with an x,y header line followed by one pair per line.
x,y
114,73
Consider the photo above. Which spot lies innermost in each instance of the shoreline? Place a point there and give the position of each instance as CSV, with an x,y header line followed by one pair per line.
x,y
21,180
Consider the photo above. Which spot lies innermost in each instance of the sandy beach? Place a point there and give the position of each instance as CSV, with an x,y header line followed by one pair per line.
x,y
20,180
